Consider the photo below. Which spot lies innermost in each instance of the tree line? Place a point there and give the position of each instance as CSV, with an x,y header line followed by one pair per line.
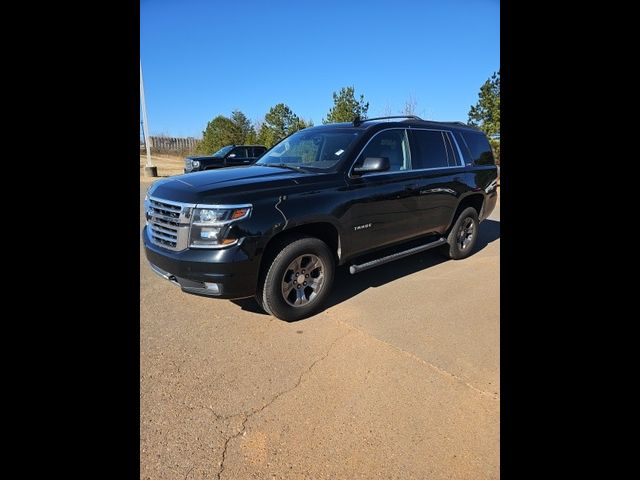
x,y
485,114
280,121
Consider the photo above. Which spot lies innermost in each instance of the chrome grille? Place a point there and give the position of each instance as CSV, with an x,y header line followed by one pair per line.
x,y
168,224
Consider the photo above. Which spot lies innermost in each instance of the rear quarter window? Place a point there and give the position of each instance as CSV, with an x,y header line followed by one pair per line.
x,y
479,148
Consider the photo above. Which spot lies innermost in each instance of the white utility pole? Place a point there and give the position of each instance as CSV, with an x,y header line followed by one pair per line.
x,y
145,126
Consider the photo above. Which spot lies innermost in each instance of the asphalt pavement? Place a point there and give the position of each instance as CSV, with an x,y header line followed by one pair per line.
x,y
398,378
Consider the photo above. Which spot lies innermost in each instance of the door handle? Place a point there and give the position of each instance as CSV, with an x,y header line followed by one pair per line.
x,y
410,188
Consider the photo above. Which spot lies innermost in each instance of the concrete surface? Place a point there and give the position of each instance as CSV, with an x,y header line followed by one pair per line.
x,y
398,378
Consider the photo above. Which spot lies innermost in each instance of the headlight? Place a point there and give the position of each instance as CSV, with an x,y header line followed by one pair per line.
x,y
210,226
196,163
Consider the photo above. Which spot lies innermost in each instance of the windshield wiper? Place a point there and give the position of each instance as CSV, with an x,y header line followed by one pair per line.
x,y
285,165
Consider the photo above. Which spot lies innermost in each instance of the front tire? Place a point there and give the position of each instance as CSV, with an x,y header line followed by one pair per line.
x,y
463,236
298,279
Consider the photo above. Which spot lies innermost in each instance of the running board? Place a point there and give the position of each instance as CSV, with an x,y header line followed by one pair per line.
x,y
395,256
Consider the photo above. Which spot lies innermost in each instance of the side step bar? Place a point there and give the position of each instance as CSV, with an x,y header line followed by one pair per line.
x,y
395,256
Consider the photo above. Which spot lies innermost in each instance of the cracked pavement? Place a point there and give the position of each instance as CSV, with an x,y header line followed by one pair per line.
x,y
398,378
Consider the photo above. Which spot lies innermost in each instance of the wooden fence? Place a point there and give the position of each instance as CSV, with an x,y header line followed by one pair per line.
x,y
172,144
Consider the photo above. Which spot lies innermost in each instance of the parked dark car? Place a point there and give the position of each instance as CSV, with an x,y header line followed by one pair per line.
x,y
361,193
227,156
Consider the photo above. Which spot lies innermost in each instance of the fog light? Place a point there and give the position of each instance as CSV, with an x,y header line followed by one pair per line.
x,y
213,287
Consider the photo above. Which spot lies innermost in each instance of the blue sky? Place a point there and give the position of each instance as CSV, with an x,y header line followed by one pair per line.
x,y
205,58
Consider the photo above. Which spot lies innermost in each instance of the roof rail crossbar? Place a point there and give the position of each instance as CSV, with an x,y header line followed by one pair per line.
x,y
357,121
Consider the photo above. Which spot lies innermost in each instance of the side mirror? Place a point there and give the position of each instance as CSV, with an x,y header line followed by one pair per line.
x,y
373,164
231,155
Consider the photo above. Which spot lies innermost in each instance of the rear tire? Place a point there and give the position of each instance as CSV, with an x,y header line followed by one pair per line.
x,y
463,235
297,280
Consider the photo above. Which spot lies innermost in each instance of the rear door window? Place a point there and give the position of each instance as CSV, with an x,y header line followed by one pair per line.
x,y
452,151
241,152
431,150
466,153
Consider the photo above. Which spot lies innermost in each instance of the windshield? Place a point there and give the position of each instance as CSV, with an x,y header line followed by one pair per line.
x,y
310,149
223,151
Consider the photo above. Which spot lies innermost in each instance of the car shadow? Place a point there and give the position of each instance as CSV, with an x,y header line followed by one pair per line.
x,y
346,285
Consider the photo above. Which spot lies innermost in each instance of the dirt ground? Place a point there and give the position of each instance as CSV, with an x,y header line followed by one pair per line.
x,y
167,164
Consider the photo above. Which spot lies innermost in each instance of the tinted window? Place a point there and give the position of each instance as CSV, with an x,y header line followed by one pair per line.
x,y
240,152
223,151
313,148
479,147
454,156
463,148
391,144
257,151
430,148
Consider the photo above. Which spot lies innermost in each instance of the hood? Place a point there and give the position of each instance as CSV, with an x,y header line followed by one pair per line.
x,y
227,185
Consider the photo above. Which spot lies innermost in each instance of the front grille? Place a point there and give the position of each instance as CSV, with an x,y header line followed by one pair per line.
x,y
164,224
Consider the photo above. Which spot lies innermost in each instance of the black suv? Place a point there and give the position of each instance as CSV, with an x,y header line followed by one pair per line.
x,y
361,193
227,156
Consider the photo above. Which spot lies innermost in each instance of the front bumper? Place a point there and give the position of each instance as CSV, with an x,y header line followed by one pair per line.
x,y
223,273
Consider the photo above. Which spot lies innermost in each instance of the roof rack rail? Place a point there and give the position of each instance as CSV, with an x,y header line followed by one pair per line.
x,y
457,122
357,121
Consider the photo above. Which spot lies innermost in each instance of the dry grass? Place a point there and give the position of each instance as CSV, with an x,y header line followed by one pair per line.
x,y
167,164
